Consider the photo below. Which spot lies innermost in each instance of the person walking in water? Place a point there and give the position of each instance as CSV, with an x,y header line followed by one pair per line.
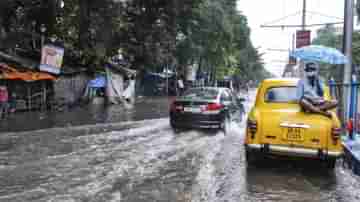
x,y
4,101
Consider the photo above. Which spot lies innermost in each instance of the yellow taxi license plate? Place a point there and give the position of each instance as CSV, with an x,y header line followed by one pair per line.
x,y
293,134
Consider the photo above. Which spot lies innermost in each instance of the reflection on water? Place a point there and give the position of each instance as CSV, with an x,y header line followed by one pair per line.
x,y
285,180
145,108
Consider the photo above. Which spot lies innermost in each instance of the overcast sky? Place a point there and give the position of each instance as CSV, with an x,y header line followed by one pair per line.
x,y
261,12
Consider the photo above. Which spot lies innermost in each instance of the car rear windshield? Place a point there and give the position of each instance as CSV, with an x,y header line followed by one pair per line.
x,y
198,93
284,94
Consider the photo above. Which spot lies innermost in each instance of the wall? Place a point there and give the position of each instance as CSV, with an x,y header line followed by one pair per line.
x,y
69,89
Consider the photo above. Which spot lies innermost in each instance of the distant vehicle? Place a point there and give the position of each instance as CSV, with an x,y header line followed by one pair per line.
x,y
278,126
206,107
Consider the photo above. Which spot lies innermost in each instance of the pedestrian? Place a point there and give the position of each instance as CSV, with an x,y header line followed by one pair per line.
x,y
4,98
310,92
12,102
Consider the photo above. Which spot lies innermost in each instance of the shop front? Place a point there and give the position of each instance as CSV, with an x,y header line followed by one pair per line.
x,y
27,89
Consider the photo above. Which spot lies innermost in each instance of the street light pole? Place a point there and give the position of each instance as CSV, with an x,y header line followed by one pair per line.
x,y
303,24
33,27
304,15
42,30
347,49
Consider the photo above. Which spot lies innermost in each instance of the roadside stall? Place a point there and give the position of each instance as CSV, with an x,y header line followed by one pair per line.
x,y
96,89
158,84
29,88
120,84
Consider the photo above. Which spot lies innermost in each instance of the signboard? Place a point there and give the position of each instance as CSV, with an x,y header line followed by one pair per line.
x,y
303,38
51,59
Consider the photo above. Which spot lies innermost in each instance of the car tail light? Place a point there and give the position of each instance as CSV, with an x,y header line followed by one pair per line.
x,y
175,107
336,132
252,126
350,126
214,107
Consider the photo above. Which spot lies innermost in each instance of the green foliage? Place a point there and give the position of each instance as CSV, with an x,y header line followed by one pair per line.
x,y
327,37
209,33
218,40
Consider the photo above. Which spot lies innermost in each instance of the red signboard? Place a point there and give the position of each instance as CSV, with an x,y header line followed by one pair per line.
x,y
303,38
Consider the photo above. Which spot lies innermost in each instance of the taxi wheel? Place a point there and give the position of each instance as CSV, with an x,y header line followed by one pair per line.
x,y
251,157
330,163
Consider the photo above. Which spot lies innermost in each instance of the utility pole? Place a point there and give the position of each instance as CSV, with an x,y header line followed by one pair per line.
x,y
304,15
293,42
303,23
347,49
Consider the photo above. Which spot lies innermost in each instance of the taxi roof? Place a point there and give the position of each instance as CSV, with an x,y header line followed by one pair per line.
x,y
280,81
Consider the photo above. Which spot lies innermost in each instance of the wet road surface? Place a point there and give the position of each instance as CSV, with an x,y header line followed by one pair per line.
x,y
147,161
145,108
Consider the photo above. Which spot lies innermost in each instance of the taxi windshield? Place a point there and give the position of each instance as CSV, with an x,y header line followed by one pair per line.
x,y
285,94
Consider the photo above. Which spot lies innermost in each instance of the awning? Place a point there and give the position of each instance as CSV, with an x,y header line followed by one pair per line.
x,y
10,73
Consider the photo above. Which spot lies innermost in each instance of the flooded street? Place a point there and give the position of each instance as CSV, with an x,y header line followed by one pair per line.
x,y
145,108
147,161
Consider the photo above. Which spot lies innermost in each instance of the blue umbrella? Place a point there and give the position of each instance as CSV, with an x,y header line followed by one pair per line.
x,y
316,53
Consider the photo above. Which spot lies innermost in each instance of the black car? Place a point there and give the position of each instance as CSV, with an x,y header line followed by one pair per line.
x,y
205,107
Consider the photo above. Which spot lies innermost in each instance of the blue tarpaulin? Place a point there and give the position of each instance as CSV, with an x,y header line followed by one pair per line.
x,y
98,82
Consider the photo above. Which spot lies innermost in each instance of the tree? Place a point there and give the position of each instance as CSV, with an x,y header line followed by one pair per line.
x,y
219,37
327,37
211,34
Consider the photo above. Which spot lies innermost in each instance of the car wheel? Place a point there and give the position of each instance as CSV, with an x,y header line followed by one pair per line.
x,y
253,157
242,112
226,125
175,129
241,115
330,163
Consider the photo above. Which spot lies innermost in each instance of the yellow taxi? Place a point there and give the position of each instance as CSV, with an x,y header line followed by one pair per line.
x,y
278,126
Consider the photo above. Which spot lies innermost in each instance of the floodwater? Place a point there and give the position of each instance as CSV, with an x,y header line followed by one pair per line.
x,y
146,161
145,108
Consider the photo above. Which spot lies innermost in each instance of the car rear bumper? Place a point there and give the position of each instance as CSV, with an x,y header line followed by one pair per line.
x,y
294,151
198,125
198,121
